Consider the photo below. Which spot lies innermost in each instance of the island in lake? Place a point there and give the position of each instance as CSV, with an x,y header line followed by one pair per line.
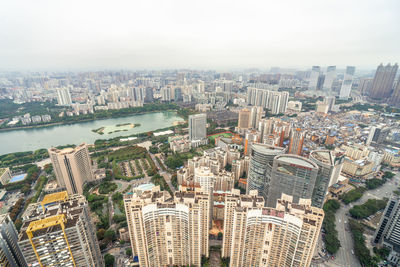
x,y
124,127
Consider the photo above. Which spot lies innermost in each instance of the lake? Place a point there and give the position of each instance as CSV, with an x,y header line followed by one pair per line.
x,y
35,138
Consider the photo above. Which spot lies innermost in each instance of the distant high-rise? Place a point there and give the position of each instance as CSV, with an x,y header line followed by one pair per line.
x,y
178,94
73,167
347,82
382,83
10,252
328,173
167,231
149,95
64,97
255,116
244,118
395,99
285,235
314,76
59,232
377,135
292,175
388,231
296,141
329,78
260,157
165,94
275,102
197,127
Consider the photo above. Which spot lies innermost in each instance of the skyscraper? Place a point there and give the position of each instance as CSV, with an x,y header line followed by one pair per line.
x,y
388,231
197,127
10,253
296,141
314,76
178,94
168,231
255,116
382,83
73,167
329,78
285,235
149,95
260,157
347,82
244,118
292,175
64,97
59,232
328,173
395,99
274,101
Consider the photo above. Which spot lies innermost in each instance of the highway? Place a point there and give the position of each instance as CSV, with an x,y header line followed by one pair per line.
x,y
344,257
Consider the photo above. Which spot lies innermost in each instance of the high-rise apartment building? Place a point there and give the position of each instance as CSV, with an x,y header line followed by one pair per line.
x,y
285,235
64,97
255,116
292,175
377,135
10,253
233,201
73,167
329,167
260,157
148,95
59,232
364,86
165,94
382,83
275,102
388,231
244,118
178,94
395,99
329,78
314,76
167,231
347,82
296,141
197,127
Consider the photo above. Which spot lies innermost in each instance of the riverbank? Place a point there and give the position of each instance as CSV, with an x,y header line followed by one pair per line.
x,y
112,115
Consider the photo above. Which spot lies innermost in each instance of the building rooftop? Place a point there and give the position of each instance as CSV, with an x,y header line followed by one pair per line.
x,y
297,160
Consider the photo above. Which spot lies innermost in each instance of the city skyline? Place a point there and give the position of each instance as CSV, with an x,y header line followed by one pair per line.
x,y
180,34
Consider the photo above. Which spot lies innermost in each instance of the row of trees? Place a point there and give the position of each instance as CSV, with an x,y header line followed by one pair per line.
x,y
332,242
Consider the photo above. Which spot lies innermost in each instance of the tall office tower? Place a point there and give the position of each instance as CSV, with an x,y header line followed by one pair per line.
x,y
382,83
168,231
313,80
377,135
64,97
197,127
178,94
347,82
73,167
321,80
233,201
328,173
59,232
330,101
10,253
148,95
395,99
388,231
296,141
329,78
255,116
285,235
260,157
292,175
244,118
165,94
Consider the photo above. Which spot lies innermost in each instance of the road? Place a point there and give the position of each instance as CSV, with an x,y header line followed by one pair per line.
x,y
166,175
344,256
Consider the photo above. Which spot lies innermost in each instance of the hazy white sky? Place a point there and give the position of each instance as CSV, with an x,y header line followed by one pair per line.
x,y
207,34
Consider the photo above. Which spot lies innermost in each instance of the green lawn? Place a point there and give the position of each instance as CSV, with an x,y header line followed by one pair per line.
x,y
212,137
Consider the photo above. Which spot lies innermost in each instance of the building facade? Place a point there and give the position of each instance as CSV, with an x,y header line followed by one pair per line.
x,y
10,252
73,167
